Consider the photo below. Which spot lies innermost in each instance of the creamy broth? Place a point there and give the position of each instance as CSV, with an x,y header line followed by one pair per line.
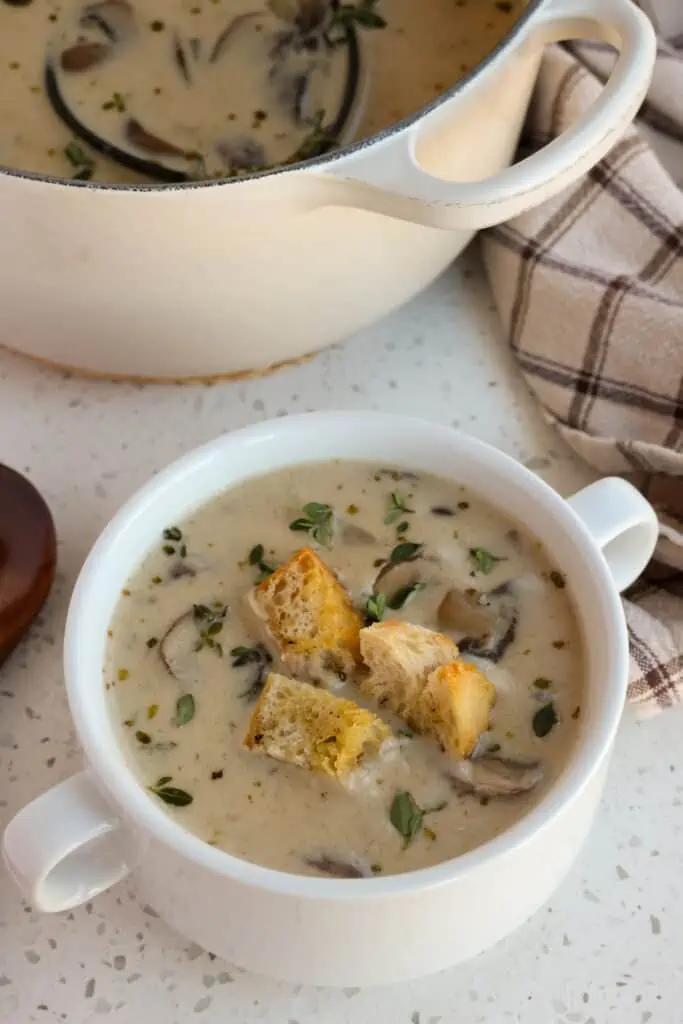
x,y
164,80
186,726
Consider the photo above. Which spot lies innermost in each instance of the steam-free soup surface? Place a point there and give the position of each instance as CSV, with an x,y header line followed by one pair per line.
x,y
226,86
181,721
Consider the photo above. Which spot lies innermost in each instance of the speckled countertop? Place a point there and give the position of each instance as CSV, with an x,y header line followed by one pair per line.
x,y
609,948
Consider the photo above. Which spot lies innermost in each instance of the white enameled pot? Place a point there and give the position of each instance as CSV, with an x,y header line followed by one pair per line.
x,y
199,280
92,830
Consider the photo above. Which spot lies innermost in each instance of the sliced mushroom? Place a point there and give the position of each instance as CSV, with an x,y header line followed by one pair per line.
x,y
311,15
260,659
488,621
229,33
351,533
177,649
192,632
401,581
490,777
393,575
115,19
293,91
188,567
142,139
338,868
182,54
83,56
305,15
243,154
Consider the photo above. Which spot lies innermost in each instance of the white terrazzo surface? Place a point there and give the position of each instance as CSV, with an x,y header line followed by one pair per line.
x,y
609,948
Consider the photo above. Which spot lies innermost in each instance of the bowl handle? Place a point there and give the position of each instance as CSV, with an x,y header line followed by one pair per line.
x,y
65,846
622,523
399,187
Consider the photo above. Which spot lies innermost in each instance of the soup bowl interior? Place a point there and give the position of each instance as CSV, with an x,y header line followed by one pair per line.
x,y
375,438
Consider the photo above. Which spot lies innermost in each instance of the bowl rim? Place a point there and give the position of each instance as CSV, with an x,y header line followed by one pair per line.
x,y
117,780
319,162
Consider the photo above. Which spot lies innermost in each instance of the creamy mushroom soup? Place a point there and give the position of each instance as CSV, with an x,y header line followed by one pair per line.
x,y
214,88
186,665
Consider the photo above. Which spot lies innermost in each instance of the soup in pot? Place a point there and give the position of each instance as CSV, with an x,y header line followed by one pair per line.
x,y
345,670
137,90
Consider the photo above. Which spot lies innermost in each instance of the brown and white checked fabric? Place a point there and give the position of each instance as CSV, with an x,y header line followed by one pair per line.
x,y
590,290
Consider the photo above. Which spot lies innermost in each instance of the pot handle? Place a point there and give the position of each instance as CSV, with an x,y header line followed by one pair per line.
x,y
400,188
65,846
622,523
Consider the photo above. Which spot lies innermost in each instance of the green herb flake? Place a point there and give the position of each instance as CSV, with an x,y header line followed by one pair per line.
x,y
544,720
76,155
116,103
122,674
143,737
405,595
363,14
402,527
484,560
397,509
80,160
163,780
406,816
209,622
152,711
156,580
184,709
541,683
319,138
352,510
318,521
255,556
375,607
405,552
172,795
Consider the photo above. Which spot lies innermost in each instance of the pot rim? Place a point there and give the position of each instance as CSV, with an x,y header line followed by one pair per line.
x,y
106,757
320,162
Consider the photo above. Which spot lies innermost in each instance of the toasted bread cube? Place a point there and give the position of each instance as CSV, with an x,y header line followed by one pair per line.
x,y
304,725
455,706
400,656
309,618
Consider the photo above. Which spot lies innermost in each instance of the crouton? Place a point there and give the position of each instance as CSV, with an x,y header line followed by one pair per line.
x,y
304,725
309,618
454,706
400,656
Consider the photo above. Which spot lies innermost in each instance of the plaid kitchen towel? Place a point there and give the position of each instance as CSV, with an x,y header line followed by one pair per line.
x,y
590,291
